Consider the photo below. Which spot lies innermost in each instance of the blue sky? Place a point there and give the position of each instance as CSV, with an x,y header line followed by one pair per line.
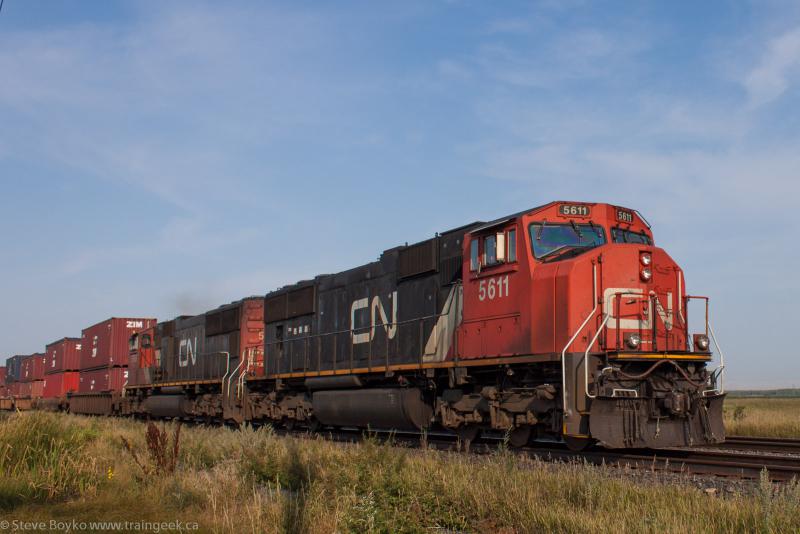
x,y
159,158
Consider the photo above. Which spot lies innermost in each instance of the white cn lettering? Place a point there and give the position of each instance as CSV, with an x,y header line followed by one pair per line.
x,y
186,352
378,317
357,305
610,306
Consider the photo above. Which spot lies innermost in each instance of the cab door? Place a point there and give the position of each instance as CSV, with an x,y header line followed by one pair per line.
x,y
493,285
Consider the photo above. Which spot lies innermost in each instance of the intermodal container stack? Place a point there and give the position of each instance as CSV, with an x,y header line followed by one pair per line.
x,y
31,376
13,375
62,366
3,388
104,353
14,369
37,378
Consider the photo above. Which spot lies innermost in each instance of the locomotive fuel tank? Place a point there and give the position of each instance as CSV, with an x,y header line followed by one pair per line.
x,y
382,408
172,406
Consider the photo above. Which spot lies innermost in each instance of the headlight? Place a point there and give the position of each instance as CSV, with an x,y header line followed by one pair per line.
x,y
646,259
633,341
646,274
701,342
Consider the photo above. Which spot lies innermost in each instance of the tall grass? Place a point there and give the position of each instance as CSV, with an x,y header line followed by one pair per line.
x,y
254,481
766,417
42,458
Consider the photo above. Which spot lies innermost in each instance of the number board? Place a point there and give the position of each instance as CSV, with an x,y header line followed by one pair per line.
x,y
624,216
574,210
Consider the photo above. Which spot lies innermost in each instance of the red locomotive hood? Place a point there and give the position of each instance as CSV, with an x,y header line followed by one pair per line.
x,y
640,288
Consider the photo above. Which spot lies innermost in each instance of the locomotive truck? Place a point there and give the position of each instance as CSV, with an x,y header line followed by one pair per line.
x,y
563,321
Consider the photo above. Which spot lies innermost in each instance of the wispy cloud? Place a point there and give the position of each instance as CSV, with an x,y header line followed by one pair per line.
x,y
774,73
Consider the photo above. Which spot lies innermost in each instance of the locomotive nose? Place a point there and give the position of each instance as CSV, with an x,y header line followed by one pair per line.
x,y
643,296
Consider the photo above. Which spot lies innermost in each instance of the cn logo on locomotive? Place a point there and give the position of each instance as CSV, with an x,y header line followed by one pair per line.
x,y
186,351
377,311
610,295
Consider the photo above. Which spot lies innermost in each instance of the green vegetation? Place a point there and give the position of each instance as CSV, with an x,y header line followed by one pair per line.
x,y
766,417
69,467
767,393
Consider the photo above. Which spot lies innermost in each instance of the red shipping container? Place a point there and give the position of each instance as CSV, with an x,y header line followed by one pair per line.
x,y
37,366
37,388
108,379
25,369
32,368
3,391
2,376
106,344
56,385
24,390
63,355
13,389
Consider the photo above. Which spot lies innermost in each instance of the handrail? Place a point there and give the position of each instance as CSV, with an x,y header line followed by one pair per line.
x,y
718,373
719,370
290,344
227,369
586,355
240,388
349,330
572,340
233,374
618,304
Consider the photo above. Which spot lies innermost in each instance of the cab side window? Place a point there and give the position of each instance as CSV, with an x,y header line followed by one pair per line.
x,y
490,250
473,254
512,246
500,247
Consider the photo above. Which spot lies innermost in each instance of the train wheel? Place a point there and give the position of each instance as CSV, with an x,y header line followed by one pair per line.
x,y
519,436
576,444
468,433
314,425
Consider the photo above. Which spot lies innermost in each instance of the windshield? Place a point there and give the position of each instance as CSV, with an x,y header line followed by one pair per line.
x,y
546,238
618,235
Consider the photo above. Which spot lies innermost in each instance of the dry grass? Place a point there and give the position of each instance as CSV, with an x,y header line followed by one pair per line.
x,y
69,467
766,417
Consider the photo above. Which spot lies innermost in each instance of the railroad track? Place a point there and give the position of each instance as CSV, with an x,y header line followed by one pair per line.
x,y
722,463
748,443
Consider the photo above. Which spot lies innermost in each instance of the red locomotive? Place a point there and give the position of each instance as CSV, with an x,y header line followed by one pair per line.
x,y
562,321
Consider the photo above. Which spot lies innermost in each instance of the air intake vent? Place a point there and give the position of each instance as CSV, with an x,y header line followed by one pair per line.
x,y
418,259
275,308
301,302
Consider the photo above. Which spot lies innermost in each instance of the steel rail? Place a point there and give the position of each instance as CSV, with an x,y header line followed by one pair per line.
x,y
686,461
751,443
